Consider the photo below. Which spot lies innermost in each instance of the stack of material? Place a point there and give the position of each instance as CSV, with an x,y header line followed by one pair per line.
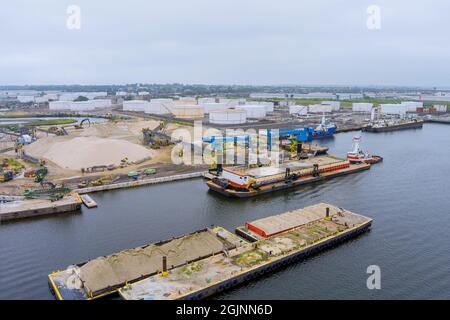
x,y
128,265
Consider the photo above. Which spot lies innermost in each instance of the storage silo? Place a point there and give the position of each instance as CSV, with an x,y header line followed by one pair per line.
x,y
59,105
393,109
207,107
228,116
362,107
188,111
165,103
298,110
202,101
320,108
255,111
335,105
135,105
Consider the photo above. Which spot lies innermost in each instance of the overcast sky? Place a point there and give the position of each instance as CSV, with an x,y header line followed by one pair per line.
x,y
225,42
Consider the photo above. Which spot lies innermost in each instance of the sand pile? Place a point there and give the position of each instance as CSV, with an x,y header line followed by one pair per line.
x,y
83,152
132,264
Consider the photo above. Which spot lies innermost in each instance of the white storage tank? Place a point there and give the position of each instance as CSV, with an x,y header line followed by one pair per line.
x,y
228,116
320,108
202,101
362,107
186,100
335,105
393,109
254,110
166,104
135,105
188,112
299,110
25,99
157,108
269,105
207,107
60,105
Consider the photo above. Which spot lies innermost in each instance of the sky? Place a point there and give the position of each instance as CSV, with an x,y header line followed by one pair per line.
x,y
253,42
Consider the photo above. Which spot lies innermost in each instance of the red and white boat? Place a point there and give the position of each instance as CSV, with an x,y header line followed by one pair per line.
x,y
359,156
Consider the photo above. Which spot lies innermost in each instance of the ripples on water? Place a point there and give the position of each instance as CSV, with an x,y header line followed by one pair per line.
x,y
406,195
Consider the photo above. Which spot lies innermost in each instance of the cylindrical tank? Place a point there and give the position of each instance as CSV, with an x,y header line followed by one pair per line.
x,y
298,109
135,105
228,116
207,107
254,110
362,107
188,112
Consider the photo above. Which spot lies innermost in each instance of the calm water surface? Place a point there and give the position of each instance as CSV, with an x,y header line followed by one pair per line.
x,y
407,195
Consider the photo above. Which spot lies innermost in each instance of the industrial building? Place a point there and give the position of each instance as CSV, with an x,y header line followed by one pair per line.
x,y
228,116
412,106
362,107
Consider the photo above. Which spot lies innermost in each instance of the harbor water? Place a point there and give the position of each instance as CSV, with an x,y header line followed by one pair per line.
x,y
406,195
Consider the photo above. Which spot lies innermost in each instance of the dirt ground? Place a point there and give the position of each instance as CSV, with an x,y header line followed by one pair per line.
x,y
108,142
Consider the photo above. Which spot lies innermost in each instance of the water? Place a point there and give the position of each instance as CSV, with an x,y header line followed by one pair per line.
x,y
407,195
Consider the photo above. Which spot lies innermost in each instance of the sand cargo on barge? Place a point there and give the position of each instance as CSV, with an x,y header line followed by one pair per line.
x,y
277,241
103,276
248,182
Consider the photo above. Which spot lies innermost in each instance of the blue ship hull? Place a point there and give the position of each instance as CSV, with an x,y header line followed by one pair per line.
x,y
321,134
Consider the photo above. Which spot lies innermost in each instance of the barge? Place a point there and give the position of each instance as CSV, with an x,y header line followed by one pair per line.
x,y
38,207
249,182
103,276
276,242
393,125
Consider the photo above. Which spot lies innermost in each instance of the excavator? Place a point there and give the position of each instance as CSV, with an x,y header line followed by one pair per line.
x,y
157,138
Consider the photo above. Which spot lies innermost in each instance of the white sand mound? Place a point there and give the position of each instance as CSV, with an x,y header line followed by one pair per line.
x,y
83,152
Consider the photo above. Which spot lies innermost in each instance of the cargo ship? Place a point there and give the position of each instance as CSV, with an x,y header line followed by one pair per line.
x,y
393,125
274,242
323,130
246,182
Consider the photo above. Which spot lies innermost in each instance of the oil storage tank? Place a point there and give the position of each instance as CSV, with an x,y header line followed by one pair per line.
x,y
362,107
299,110
228,116
256,111
207,107
135,105
188,111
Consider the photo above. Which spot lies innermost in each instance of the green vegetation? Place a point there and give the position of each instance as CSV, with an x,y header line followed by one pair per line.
x,y
81,98
52,122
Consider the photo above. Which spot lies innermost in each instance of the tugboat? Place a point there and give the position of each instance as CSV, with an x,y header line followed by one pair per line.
x,y
323,130
359,156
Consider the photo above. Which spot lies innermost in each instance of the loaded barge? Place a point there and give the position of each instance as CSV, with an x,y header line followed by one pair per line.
x,y
248,182
393,125
275,242
103,276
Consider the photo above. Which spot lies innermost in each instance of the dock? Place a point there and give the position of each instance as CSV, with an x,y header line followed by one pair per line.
x,y
88,201
103,276
38,207
278,241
